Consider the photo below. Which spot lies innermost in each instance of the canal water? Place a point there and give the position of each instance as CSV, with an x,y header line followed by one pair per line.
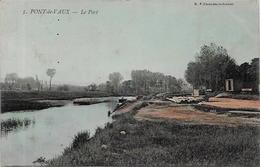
x,y
49,131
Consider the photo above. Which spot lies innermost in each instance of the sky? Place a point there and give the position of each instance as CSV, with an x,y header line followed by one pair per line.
x,y
125,35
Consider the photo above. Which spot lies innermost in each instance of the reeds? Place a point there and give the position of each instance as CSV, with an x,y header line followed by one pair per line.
x,y
14,123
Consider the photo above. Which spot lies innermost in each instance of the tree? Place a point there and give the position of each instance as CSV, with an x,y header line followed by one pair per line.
x,y
51,72
249,74
147,82
211,67
192,74
171,84
244,70
29,86
115,79
254,74
101,87
63,88
27,83
11,79
92,87
127,87
38,83
108,87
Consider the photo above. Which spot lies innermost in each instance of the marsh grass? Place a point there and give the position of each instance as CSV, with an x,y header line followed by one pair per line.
x,y
164,144
14,124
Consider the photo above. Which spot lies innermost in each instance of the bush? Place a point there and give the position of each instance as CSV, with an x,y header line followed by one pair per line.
x,y
80,139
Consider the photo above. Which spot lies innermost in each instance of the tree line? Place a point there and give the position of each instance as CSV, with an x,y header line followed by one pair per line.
x,y
213,65
142,82
14,82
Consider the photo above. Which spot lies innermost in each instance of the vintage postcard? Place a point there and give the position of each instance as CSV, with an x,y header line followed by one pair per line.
x,y
130,83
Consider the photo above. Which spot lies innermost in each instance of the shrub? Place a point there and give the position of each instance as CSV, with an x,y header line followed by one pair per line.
x,y
80,139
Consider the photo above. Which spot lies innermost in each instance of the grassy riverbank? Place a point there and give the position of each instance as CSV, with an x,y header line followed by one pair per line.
x,y
32,100
128,142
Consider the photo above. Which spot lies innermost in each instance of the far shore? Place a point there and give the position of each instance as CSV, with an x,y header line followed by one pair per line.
x,y
34,100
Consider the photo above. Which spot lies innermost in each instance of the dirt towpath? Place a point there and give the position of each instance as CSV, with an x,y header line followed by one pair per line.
x,y
235,104
190,115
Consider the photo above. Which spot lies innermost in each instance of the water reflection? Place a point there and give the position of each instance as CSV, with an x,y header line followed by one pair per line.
x,y
14,124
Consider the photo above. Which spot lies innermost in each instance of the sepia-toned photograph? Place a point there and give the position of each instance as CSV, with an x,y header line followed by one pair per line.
x,y
130,83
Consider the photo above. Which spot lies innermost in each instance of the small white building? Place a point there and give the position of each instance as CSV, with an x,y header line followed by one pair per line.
x,y
229,85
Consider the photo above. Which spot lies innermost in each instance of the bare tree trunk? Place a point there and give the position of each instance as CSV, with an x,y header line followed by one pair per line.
x,y
50,83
